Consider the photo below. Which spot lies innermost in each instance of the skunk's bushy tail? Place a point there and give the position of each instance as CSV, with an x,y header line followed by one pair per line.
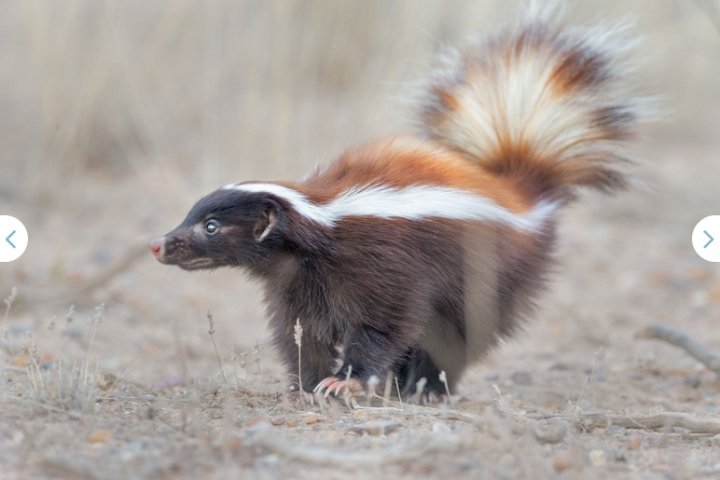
x,y
546,104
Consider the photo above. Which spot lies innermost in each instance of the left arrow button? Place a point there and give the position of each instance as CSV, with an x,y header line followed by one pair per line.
x,y
7,239
13,238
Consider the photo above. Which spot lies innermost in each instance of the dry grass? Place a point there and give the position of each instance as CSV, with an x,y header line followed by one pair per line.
x,y
117,115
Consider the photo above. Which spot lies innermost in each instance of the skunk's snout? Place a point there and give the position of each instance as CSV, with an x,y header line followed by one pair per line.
x,y
157,247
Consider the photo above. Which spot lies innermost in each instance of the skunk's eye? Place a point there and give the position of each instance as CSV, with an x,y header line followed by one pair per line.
x,y
212,227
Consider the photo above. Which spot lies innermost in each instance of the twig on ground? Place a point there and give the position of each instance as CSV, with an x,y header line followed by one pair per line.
x,y
316,455
677,337
660,421
589,421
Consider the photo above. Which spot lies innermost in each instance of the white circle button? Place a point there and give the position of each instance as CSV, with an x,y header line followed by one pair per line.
x,y
706,238
13,238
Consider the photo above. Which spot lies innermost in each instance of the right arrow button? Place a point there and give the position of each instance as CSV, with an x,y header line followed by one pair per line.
x,y
710,239
704,238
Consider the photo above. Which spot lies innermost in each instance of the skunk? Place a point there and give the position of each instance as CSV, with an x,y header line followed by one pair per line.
x,y
414,255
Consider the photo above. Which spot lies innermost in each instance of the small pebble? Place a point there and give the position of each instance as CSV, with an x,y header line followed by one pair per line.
x,y
552,431
521,378
100,436
634,442
715,441
692,381
278,420
234,445
618,456
21,361
598,458
311,420
562,462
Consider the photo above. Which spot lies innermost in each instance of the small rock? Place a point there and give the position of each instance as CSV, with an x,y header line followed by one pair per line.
x,y
100,436
634,442
234,445
559,366
552,431
311,419
692,381
562,462
715,441
618,456
521,378
598,458
21,361
292,422
278,420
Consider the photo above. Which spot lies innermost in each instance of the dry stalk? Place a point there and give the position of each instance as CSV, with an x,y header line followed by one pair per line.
x,y
298,342
397,386
9,303
211,332
388,388
678,338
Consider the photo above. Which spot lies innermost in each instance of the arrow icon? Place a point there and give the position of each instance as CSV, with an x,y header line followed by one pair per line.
x,y
709,241
7,239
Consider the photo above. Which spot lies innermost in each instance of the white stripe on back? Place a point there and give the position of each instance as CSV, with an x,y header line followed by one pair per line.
x,y
413,203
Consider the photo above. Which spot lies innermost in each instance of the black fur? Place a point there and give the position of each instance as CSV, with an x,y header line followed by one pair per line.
x,y
390,292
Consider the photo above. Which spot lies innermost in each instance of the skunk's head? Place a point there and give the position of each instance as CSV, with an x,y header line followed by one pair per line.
x,y
225,228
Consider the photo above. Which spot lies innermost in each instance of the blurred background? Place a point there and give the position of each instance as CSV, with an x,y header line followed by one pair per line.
x,y
116,116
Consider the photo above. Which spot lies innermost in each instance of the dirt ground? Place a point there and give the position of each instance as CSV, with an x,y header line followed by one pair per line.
x,y
115,119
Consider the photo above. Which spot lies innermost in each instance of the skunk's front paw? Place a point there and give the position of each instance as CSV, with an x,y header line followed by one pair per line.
x,y
336,386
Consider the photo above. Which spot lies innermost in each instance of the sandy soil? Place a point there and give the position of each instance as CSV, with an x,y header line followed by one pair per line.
x,y
118,377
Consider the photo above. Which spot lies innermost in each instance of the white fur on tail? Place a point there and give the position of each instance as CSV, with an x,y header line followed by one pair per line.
x,y
547,104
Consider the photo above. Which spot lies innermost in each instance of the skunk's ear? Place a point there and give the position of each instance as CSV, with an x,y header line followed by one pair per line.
x,y
267,221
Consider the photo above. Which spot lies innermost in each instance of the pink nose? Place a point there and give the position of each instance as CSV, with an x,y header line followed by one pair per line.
x,y
157,247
